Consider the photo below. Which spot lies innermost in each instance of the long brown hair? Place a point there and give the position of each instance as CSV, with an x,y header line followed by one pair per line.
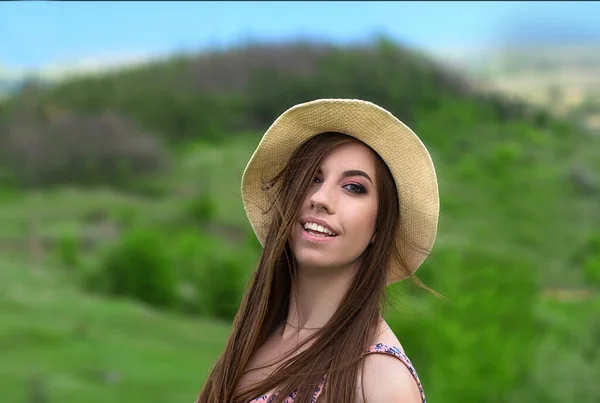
x,y
339,346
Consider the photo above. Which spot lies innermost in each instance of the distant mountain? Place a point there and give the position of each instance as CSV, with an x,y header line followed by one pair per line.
x,y
565,78
9,86
11,79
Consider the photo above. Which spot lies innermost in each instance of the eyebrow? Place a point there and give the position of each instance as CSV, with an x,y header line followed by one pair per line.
x,y
353,172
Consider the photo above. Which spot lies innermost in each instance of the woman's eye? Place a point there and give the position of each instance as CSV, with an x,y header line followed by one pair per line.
x,y
316,180
355,188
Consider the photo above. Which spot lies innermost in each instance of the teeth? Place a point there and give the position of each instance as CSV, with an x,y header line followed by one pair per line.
x,y
316,227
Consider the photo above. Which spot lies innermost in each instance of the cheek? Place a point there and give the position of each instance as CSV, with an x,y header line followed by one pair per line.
x,y
362,221
369,221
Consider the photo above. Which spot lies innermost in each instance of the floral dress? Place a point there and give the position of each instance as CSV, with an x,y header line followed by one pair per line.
x,y
375,348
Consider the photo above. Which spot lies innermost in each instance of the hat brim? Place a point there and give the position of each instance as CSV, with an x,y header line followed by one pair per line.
x,y
404,153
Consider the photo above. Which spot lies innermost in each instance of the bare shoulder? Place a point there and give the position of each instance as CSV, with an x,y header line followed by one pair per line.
x,y
386,379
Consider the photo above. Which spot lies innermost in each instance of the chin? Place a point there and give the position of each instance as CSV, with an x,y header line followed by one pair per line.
x,y
320,262
309,258
312,258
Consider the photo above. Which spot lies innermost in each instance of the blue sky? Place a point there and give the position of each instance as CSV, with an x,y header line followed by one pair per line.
x,y
35,34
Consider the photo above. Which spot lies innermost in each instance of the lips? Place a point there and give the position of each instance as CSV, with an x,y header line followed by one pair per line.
x,y
316,238
326,227
317,231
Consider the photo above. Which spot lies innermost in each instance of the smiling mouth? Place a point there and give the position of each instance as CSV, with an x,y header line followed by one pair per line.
x,y
318,230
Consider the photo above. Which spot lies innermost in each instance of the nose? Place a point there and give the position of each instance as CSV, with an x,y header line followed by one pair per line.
x,y
323,198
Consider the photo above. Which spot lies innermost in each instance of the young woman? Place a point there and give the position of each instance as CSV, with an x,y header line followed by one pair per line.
x,y
344,199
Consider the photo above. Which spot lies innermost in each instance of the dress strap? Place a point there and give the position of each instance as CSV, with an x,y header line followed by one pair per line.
x,y
319,389
398,353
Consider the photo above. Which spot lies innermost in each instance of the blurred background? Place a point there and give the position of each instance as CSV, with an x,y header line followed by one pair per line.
x,y
124,131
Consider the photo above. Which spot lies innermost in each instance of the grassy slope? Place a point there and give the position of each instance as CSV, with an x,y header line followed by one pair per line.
x,y
83,348
57,211
87,349
77,342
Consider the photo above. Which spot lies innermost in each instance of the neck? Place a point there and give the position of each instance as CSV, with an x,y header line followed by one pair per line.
x,y
316,297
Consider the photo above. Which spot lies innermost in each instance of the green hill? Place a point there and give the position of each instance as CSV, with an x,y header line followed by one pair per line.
x,y
145,164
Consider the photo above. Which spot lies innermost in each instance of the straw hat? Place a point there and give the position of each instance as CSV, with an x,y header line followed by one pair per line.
x,y
403,152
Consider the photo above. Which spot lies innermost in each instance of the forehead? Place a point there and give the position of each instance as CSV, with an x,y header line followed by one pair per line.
x,y
351,156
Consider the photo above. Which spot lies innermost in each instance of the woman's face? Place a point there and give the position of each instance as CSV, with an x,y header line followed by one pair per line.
x,y
337,218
